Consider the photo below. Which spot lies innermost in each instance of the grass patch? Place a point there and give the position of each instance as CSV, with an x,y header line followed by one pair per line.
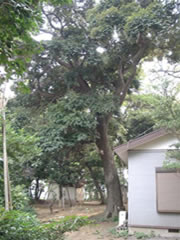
x,y
125,234
117,233
141,235
70,223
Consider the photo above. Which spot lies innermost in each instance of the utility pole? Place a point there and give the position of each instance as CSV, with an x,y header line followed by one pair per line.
x,y
7,192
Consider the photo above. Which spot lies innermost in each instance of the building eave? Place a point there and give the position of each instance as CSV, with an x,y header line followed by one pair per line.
x,y
122,150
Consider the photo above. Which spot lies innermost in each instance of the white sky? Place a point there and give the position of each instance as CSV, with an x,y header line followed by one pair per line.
x,y
43,36
155,76
5,87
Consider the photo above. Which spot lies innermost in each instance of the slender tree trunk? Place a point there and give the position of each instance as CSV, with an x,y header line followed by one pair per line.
x,y
10,195
39,193
60,204
96,183
63,199
36,189
7,193
114,195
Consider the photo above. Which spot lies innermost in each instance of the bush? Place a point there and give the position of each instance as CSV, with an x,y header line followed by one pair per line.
x,y
20,197
18,225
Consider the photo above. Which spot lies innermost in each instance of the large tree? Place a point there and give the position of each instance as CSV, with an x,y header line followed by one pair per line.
x,y
94,54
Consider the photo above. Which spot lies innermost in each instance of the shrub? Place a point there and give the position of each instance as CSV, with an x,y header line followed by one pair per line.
x,y
20,197
18,225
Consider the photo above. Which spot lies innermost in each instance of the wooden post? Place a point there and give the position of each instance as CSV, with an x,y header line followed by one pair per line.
x,y
7,192
6,184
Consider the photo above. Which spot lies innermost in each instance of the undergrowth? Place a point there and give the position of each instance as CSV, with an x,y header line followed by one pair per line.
x,y
117,234
125,234
18,225
141,235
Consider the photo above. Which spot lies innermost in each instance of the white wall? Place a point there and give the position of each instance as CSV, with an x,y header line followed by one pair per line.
x,y
53,191
142,190
76,194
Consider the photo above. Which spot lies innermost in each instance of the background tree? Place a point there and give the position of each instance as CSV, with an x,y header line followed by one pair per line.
x,y
167,115
60,135
21,149
137,116
163,101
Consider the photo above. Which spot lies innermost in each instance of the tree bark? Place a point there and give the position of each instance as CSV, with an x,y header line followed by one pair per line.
x,y
96,183
114,195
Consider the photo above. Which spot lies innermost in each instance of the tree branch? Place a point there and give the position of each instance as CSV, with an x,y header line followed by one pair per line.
x,y
135,61
49,20
64,64
83,84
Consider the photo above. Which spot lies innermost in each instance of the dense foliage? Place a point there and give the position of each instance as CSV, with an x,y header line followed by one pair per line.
x,y
19,20
21,149
138,117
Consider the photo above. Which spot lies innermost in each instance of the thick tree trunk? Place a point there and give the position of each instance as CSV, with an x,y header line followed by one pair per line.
x,y
114,195
96,183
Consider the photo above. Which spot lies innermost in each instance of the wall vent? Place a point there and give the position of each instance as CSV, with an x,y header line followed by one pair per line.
x,y
173,230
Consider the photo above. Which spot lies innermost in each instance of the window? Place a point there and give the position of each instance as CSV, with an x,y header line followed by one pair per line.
x,y
168,190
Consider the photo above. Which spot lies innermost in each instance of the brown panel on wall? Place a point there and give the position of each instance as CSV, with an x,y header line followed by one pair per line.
x,y
168,191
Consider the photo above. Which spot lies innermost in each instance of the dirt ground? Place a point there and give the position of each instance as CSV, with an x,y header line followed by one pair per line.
x,y
93,232
90,232
86,209
96,231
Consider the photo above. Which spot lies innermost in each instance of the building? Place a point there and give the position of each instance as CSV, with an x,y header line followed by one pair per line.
x,y
153,191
